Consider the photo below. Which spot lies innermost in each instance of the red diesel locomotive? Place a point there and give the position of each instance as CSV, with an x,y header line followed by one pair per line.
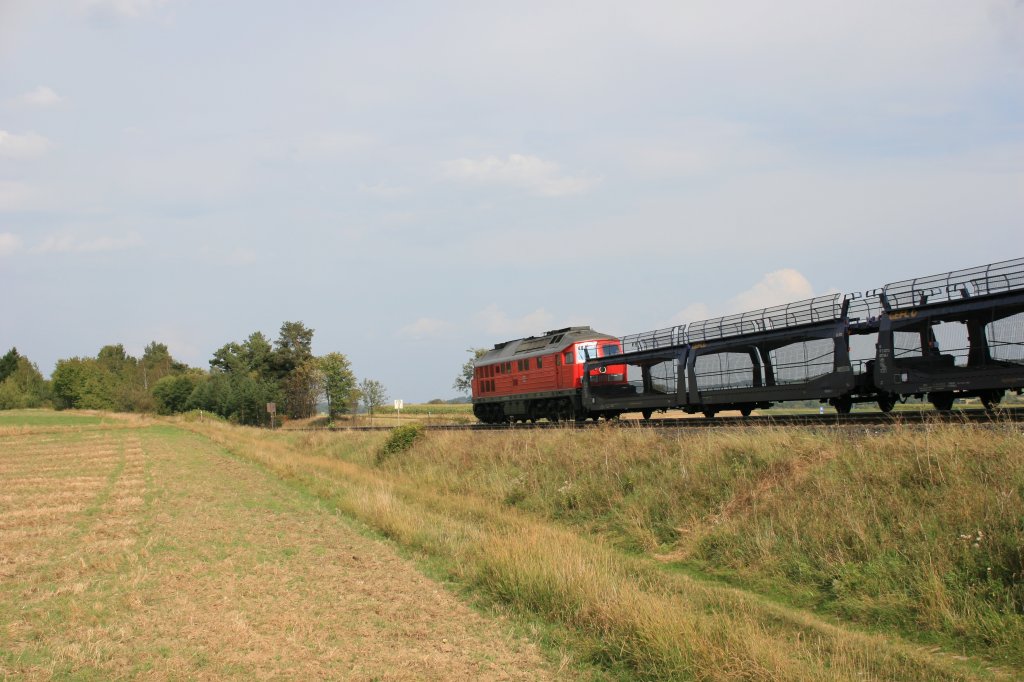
x,y
541,377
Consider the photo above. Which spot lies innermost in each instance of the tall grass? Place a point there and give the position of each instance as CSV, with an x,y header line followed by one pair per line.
x,y
866,527
917,529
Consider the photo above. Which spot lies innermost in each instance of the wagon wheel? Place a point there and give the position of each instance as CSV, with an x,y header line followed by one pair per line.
x,y
843,404
709,413
990,399
647,415
886,402
745,411
942,401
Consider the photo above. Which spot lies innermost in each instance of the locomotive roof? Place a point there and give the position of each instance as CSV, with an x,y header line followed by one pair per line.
x,y
549,342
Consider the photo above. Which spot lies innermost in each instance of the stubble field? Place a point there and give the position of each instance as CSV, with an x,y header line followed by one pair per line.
x,y
134,549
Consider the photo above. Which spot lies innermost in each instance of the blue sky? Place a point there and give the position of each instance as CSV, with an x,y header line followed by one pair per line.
x,y
413,179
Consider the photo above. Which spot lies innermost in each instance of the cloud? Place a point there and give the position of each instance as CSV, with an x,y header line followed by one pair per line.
x,y
497,322
425,328
694,311
25,146
41,96
9,243
779,286
521,171
69,243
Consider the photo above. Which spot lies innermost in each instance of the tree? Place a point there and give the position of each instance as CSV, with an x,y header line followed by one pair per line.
x,y
257,353
156,363
9,363
339,382
464,382
173,391
373,394
293,347
24,387
83,383
253,356
302,388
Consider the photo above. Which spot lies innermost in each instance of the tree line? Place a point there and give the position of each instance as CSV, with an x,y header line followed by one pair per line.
x,y
242,379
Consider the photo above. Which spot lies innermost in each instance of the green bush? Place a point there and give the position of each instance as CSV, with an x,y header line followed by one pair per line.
x,y
400,440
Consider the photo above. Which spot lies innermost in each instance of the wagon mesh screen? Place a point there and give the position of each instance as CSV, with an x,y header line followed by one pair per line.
x,y
799,362
1006,338
951,338
663,378
906,344
717,371
862,349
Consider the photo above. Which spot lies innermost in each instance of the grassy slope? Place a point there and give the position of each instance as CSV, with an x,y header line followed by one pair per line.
x,y
879,530
921,531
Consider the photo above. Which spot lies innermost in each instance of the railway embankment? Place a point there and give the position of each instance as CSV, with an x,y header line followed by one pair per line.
x,y
761,552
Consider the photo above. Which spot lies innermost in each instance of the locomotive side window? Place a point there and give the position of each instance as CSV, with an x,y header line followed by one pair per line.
x,y
540,363
568,357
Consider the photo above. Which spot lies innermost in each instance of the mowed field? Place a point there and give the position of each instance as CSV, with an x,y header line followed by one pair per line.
x,y
132,548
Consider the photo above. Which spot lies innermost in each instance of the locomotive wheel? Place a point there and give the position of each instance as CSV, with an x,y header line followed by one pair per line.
x,y
942,401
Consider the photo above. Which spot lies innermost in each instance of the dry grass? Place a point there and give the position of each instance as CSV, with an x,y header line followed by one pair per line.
x,y
150,552
503,513
877,528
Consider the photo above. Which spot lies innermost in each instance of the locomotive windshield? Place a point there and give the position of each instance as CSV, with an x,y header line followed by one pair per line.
x,y
588,350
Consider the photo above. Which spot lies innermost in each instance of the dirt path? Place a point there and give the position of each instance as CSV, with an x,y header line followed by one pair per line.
x,y
151,553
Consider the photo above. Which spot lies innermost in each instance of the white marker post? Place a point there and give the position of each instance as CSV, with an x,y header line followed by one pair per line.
x,y
398,408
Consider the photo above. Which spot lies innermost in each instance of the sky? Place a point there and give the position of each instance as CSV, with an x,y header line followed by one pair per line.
x,y
415,179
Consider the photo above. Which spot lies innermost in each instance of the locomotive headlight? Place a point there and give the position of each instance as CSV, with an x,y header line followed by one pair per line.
x,y
603,369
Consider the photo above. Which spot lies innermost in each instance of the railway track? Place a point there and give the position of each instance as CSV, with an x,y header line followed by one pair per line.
x,y
873,419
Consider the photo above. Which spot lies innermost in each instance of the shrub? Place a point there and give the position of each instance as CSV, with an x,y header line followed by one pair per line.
x,y
400,440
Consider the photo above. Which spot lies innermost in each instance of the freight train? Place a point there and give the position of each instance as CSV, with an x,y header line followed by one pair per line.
x,y
955,335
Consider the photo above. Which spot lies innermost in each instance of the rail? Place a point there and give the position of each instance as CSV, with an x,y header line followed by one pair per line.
x,y
653,340
799,313
984,280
